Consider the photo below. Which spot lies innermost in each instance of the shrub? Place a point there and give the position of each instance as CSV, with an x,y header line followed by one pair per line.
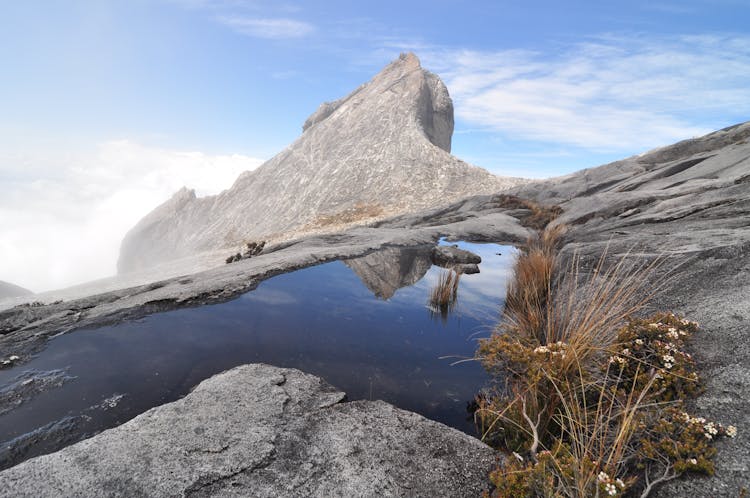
x,y
589,400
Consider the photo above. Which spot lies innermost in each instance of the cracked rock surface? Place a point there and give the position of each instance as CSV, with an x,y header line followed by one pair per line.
x,y
258,430
688,203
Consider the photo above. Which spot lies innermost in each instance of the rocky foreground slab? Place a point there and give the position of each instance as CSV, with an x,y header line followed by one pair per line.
x,y
258,430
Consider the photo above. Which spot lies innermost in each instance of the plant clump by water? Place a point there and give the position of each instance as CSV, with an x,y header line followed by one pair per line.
x,y
444,295
592,401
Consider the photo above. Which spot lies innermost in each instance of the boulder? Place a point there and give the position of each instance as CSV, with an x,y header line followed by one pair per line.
x,y
263,431
446,256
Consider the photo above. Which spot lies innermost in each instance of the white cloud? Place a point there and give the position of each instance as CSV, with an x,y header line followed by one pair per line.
x,y
63,221
273,28
610,94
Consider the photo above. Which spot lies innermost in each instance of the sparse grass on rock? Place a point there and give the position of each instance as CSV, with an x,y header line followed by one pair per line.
x,y
591,400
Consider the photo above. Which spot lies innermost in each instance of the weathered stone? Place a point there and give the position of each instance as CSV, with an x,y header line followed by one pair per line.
x,y
382,150
258,430
689,204
467,269
452,255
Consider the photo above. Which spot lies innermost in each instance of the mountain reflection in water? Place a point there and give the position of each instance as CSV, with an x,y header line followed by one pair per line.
x,y
373,341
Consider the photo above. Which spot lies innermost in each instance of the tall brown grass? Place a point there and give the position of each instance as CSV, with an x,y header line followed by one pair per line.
x,y
573,314
444,295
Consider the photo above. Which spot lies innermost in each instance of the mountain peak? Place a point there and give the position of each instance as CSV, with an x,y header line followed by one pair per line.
x,y
409,58
382,150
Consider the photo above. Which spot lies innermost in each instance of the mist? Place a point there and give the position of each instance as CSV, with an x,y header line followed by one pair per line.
x,y
63,215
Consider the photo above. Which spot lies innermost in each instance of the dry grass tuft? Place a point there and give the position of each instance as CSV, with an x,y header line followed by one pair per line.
x,y
444,295
539,215
588,404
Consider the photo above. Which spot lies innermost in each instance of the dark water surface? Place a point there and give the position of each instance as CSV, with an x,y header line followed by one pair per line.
x,y
363,325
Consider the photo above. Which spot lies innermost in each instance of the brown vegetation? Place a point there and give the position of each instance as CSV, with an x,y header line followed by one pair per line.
x,y
591,400
359,212
538,215
444,295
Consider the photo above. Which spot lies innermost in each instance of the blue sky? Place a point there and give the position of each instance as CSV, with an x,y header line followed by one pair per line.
x,y
127,100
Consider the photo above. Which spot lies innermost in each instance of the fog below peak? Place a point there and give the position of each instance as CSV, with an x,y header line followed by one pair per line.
x,y
63,214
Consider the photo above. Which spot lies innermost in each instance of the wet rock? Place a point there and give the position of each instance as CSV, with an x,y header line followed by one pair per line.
x,y
28,385
467,269
287,434
446,256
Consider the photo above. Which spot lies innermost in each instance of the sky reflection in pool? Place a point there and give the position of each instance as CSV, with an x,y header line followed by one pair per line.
x,y
363,325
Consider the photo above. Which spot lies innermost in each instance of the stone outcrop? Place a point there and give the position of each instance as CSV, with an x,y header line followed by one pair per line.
x,y
448,256
380,151
688,204
263,431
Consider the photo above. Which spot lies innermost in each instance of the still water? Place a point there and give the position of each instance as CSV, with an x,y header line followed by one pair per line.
x,y
363,324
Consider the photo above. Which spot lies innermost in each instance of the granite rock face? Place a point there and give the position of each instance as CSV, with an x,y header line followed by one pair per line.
x,y
689,204
258,430
382,150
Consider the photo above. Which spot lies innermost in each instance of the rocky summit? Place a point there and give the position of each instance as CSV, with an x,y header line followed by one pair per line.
x,y
263,431
382,150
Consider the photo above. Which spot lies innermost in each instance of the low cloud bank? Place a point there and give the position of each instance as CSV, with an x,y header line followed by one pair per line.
x,y
64,215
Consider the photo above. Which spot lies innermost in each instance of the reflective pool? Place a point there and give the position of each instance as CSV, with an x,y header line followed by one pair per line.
x,y
364,325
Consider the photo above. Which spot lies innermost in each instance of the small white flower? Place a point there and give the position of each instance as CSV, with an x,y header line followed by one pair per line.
x,y
626,351
603,476
619,483
639,342
610,489
618,359
693,461
731,431
711,428
541,349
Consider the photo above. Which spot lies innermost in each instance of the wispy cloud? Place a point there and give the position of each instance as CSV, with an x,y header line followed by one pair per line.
x,y
273,28
217,4
611,93
63,224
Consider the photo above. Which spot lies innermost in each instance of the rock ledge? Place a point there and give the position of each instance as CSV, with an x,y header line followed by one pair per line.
x,y
286,434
